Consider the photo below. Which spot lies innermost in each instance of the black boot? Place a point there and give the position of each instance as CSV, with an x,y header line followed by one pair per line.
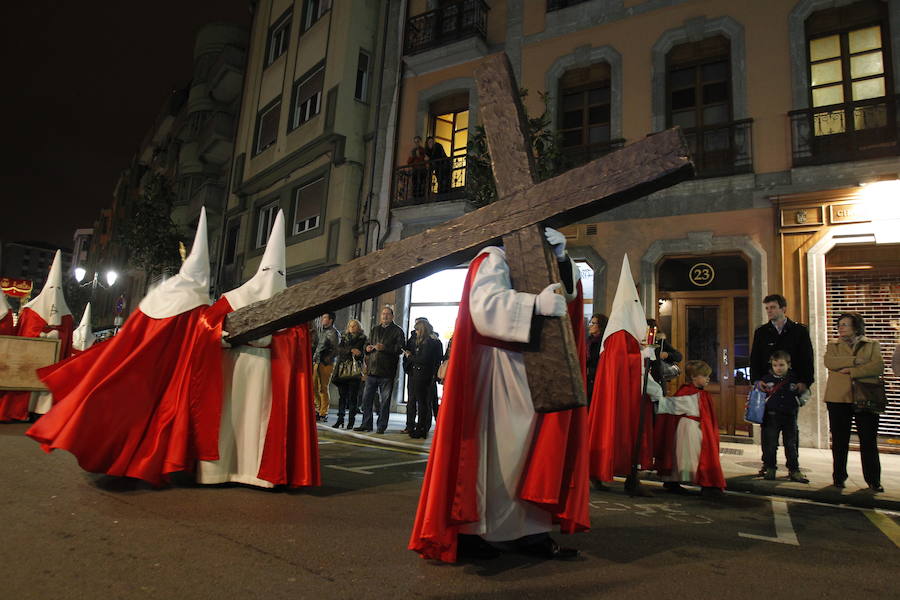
x,y
351,420
634,487
339,423
474,547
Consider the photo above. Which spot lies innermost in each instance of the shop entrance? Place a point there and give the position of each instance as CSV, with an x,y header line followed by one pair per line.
x,y
711,322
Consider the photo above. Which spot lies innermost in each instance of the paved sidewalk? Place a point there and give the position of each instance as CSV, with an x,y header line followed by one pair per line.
x,y
740,462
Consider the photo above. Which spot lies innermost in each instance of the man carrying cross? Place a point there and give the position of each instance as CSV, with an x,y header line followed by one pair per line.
x,y
486,464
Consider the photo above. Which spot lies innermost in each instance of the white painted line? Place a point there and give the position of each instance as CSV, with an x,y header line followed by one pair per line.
x,y
784,529
365,469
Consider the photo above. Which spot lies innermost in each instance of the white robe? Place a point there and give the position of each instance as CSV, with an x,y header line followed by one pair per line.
x,y
507,417
688,435
246,406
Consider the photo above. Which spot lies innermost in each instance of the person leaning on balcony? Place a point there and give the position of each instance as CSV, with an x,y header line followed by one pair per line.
x,y
417,159
852,356
438,163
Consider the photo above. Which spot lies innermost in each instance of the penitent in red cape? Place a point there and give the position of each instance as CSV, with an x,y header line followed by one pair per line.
x,y
554,478
709,470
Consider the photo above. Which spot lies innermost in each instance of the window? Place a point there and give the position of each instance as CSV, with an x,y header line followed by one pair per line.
x,y
698,78
279,35
451,130
265,220
267,126
231,241
314,9
585,112
847,64
361,92
308,97
308,202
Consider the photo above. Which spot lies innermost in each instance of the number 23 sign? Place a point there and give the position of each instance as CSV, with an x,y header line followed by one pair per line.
x,y
702,274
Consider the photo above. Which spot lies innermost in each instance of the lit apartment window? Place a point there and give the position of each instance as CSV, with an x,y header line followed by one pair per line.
x,y
308,97
265,219
847,65
585,112
361,92
313,11
308,202
279,36
267,126
451,131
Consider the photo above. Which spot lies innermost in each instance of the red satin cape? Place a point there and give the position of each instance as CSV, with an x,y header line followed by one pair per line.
x,y
554,478
128,408
615,410
14,405
7,327
709,470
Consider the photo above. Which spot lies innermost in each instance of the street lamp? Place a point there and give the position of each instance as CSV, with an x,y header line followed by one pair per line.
x,y
111,277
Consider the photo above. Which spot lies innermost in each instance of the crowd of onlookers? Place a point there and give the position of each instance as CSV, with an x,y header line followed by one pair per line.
x,y
364,369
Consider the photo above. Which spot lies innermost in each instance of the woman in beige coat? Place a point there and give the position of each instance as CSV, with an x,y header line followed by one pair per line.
x,y
852,356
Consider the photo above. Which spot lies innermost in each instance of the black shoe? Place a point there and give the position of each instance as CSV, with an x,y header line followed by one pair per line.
x,y
361,428
839,484
547,548
350,423
407,431
876,488
378,431
473,546
634,488
600,486
338,424
673,487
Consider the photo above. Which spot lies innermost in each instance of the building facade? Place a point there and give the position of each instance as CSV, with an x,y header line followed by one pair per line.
x,y
789,108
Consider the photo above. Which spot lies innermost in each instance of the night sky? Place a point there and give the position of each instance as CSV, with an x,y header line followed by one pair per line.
x,y
84,82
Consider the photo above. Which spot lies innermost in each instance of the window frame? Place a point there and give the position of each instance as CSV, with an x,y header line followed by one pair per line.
x,y
297,104
696,64
313,11
366,77
296,198
281,27
273,105
262,237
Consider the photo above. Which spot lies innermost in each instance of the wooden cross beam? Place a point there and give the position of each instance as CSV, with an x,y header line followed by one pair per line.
x,y
515,219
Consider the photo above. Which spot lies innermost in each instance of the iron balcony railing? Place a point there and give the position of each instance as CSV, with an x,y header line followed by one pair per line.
x,y
434,181
451,22
724,149
845,132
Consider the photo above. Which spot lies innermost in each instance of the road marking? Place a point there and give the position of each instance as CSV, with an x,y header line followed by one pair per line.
x,y
784,530
670,510
365,469
887,525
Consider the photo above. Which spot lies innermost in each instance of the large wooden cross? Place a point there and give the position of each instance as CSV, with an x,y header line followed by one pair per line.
x,y
516,219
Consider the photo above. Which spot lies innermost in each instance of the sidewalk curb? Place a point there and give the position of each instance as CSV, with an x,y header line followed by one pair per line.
x,y
829,495
380,440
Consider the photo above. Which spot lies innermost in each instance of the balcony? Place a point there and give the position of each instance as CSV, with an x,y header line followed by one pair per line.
x,y
576,156
227,74
215,141
844,132
436,181
211,194
721,150
450,23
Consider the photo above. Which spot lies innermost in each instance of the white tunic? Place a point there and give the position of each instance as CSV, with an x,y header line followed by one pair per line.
x,y
507,417
688,435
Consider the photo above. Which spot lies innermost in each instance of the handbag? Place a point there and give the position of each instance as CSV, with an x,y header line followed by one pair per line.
x,y
668,371
868,397
442,370
347,371
756,406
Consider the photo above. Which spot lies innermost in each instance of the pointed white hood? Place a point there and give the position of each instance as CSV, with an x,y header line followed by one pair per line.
x,y
189,288
4,305
627,313
269,278
50,304
83,336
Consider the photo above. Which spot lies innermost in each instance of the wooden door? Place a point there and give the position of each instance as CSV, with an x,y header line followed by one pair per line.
x,y
703,329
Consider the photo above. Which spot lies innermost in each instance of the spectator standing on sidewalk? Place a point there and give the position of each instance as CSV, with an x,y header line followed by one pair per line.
x,y
596,327
349,349
383,352
784,401
323,363
423,354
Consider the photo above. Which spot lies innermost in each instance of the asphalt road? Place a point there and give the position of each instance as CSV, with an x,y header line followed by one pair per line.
x,y
69,534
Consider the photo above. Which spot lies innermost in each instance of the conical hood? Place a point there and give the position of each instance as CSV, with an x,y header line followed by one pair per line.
x,y
189,288
627,313
269,278
4,305
83,336
50,304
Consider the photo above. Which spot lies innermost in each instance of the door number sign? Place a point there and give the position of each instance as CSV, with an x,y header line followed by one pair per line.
x,y
702,274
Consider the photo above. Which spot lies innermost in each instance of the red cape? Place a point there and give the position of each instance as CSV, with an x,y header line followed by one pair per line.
x,y
554,478
7,327
615,410
14,405
128,408
709,471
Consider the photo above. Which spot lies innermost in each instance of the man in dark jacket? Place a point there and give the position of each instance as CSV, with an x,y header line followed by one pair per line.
x,y
323,363
382,357
780,333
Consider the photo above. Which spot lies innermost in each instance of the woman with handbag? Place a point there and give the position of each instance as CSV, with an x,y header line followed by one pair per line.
x,y
348,370
854,366
664,367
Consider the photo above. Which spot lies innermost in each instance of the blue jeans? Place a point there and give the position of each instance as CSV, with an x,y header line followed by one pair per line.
x,y
776,423
384,386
